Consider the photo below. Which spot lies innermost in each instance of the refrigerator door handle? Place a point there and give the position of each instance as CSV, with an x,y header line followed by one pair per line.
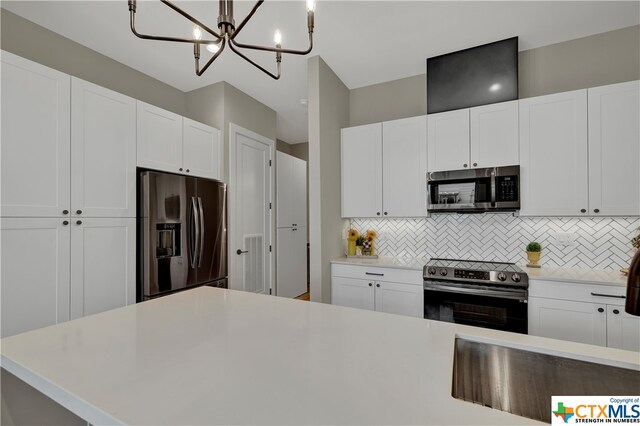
x,y
193,244
201,215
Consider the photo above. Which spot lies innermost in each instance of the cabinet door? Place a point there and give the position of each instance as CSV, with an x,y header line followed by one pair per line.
x,y
614,150
159,139
352,293
35,273
35,139
362,171
103,265
299,192
401,299
448,140
404,156
568,320
494,135
553,155
201,150
284,189
623,329
103,152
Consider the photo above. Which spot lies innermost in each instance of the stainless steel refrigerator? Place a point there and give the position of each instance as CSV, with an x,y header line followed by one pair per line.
x,y
182,233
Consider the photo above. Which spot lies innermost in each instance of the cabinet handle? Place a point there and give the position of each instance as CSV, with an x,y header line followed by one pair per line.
x,y
378,285
600,309
583,210
65,223
475,164
374,274
596,210
370,284
608,295
615,311
465,165
78,222
65,211
79,211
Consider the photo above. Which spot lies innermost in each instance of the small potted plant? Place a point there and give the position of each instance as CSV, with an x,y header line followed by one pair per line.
x,y
359,243
533,254
352,236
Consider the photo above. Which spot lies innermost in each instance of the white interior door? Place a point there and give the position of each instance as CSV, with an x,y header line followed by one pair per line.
x,y
299,192
250,187
284,182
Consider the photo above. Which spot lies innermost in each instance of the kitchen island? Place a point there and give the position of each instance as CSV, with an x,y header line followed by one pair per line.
x,y
215,356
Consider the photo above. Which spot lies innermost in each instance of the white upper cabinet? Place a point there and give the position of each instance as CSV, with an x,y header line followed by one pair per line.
x,y
201,150
35,273
35,139
159,139
553,155
103,152
614,150
448,140
404,157
362,171
103,271
494,135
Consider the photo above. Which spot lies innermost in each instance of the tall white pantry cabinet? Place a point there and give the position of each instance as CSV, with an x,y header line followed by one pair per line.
x,y
68,197
291,221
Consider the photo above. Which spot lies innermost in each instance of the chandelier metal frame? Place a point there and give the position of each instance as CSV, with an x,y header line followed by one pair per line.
x,y
226,36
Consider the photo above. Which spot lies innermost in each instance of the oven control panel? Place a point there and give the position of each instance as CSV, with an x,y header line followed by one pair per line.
x,y
472,275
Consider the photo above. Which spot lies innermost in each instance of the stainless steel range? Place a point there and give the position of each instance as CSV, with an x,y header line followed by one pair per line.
x,y
483,294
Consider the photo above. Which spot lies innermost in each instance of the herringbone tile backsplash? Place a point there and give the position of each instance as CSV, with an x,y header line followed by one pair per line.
x,y
600,243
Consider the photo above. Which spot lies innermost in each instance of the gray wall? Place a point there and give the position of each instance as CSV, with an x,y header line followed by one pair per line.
x,y
596,60
328,113
31,41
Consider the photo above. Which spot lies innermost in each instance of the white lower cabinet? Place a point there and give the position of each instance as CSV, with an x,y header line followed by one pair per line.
x,y
585,313
377,289
56,269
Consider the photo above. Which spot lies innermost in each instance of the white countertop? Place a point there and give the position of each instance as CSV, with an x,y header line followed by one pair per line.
x,y
551,273
210,355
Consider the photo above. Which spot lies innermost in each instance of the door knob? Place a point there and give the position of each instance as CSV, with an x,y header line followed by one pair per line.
x,y
241,251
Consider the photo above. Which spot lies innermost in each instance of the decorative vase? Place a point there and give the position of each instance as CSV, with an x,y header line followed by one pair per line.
x,y
366,248
534,258
358,250
373,248
351,247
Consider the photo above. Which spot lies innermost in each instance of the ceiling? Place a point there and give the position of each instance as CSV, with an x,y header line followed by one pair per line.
x,y
364,42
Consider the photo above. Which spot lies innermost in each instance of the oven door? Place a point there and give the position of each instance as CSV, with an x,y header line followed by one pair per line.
x,y
499,308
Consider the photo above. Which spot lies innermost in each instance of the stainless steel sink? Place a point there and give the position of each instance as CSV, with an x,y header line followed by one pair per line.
x,y
522,382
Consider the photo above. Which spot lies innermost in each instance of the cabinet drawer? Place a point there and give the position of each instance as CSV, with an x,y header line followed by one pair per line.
x,y
605,294
406,276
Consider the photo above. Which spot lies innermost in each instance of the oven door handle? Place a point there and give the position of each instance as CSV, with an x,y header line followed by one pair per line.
x,y
516,295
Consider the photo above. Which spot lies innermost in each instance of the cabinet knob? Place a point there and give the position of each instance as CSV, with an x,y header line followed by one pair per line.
x,y
378,213
475,164
78,222
596,210
180,169
600,309
78,211
385,213
65,211
583,210
370,284
615,311
65,223
465,165
377,285
187,170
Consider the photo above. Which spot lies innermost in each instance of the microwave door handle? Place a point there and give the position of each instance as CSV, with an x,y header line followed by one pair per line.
x,y
493,187
201,214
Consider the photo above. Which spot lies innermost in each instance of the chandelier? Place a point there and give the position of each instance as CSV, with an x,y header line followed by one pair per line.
x,y
226,35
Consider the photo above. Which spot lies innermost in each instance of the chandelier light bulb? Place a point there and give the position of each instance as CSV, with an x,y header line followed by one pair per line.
x,y
213,48
311,5
277,37
197,32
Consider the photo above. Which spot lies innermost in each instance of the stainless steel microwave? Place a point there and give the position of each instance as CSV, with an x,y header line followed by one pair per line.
x,y
490,189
